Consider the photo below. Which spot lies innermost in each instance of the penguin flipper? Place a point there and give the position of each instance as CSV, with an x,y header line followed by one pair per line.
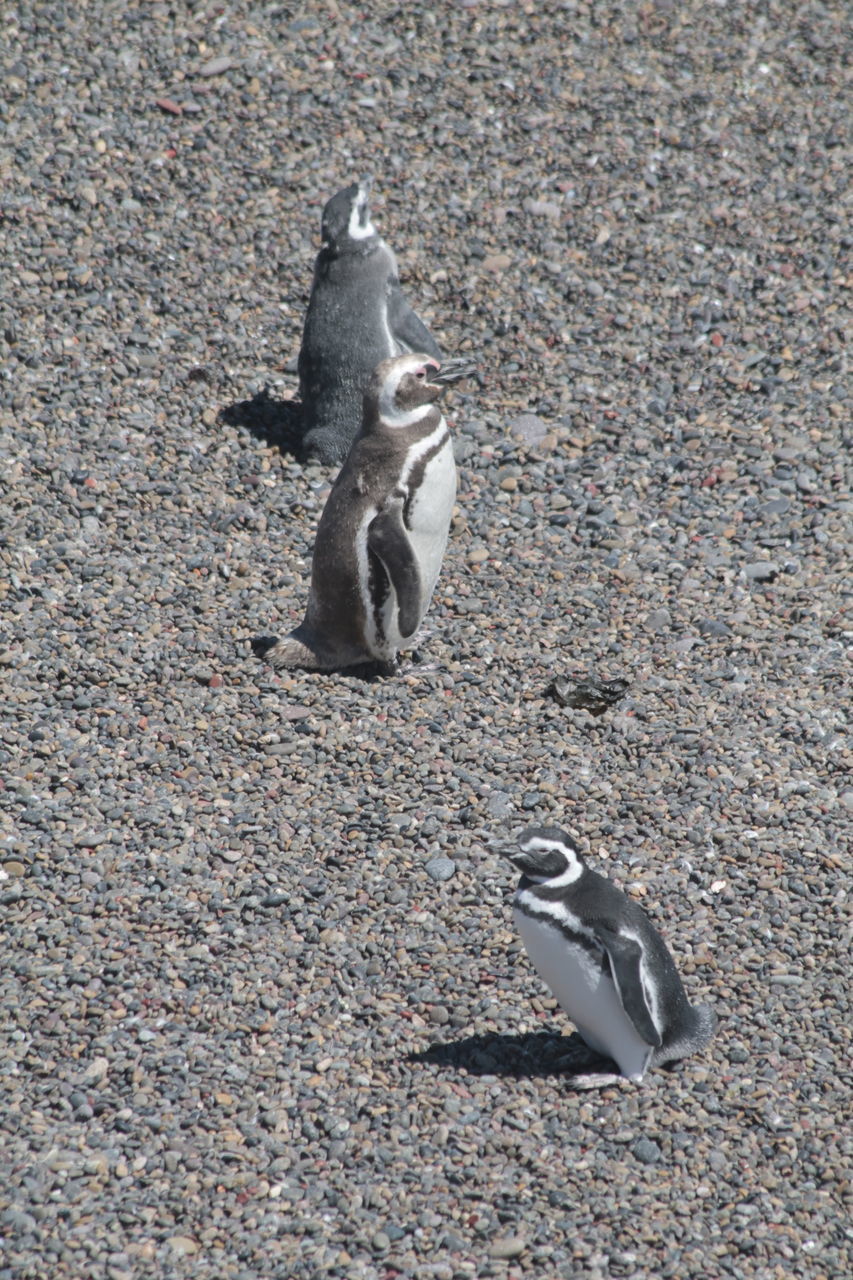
x,y
407,329
388,540
625,955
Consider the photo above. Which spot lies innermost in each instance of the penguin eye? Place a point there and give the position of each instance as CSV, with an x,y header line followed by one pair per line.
x,y
420,373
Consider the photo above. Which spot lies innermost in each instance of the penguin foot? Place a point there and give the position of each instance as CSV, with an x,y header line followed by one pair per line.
x,y
324,447
374,669
288,651
596,1080
294,651
261,645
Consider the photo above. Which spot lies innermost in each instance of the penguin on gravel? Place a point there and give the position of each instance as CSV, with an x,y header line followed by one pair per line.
x,y
357,316
604,961
383,531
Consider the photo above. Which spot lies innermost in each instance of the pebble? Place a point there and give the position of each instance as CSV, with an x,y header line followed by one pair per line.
x,y
508,1247
241,1020
761,571
440,869
646,1151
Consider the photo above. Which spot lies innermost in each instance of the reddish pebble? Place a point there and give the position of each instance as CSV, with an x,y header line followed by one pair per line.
x,y
216,682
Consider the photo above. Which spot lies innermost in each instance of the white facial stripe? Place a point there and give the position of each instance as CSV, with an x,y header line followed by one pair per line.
x,y
540,844
356,230
537,844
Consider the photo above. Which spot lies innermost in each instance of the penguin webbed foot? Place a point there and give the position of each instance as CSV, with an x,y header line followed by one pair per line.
x,y
596,1080
597,1071
375,669
261,645
323,447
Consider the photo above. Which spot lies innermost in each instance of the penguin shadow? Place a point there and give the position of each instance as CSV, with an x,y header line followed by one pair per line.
x,y
531,1056
276,422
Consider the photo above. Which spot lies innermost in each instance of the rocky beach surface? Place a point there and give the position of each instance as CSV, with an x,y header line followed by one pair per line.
x,y
265,1013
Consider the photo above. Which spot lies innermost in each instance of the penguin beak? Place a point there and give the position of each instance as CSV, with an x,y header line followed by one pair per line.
x,y
500,847
453,371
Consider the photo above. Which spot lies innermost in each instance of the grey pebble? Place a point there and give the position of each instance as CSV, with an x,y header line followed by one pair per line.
x,y
713,627
646,1151
440,868
507,1247
761,571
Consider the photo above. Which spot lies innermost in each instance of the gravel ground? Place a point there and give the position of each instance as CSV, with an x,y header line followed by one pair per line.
x,y
266,1013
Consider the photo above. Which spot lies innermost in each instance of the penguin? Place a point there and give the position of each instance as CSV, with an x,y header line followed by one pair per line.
x,y
357,317
603,959
383,530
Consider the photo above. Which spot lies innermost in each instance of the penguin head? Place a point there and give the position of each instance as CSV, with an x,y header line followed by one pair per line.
x,y
346,217
402,390
546,855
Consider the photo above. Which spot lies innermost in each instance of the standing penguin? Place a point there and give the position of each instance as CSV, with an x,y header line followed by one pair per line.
x,y
383,531
603,960
357,316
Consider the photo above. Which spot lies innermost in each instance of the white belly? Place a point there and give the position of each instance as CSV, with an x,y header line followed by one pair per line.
x,y
587,994
430,512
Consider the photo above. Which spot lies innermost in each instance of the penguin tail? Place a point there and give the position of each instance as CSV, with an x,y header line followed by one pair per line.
x,y
288,651
706,1024
692,1038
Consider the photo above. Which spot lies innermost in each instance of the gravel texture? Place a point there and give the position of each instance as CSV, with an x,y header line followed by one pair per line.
x,y
265,1011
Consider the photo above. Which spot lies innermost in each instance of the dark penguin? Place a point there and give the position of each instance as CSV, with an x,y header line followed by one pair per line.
x,y
357,316
383,531
603,960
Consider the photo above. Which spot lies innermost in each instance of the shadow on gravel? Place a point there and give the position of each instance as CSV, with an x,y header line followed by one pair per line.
x,y
277,422
529,1056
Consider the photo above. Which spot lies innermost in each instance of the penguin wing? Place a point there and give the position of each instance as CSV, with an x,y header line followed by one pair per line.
x,y
407,329
387,539
626,955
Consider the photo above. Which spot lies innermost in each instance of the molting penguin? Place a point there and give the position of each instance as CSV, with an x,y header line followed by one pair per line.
x,y
383,531
603,960
357,316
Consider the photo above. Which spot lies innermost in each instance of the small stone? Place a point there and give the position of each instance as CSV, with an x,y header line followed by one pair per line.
x,y
98,1069
713,628
440,868
216,66
89,839
380,1242
659,620
541,208
184,1246
646,1151
528,428
507,1247
18,1221
439,1014
761,571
